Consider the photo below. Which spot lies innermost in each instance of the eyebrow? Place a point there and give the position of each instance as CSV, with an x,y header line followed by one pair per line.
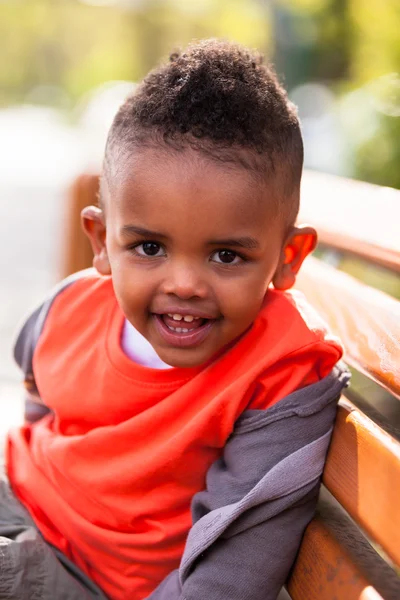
x,y
240,242
129,230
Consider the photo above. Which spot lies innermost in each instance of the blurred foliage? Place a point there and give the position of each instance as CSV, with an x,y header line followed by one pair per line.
x,y
78,46
378,158
72,46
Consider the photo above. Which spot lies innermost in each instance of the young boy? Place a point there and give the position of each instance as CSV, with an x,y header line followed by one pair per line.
x,y
191,397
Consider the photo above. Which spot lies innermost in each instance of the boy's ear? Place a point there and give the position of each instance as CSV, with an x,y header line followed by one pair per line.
x,y
93,223
298,245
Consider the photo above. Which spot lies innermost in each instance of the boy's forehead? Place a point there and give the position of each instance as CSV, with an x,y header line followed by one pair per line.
x,y
164,179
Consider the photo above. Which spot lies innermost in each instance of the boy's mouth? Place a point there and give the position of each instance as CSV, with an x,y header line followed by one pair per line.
x,y
182,330
182,324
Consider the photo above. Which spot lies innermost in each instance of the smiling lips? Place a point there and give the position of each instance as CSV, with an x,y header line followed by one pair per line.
x,y
183,330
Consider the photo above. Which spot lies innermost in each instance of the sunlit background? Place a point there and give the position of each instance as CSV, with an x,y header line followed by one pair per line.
x,y
67,64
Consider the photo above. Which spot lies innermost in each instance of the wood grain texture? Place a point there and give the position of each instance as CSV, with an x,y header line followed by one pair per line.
x,y
366,320
77,252
358,210
324,570
363,473
337,562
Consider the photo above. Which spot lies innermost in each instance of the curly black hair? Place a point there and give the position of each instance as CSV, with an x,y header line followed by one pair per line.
x,y
220,99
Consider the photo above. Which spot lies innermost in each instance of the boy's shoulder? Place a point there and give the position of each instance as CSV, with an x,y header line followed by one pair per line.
x,y
292,345
79,291
74,297
81,284
289,312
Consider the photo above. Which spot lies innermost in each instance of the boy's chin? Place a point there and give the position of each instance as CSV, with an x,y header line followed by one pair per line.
x,y
183,359
190,358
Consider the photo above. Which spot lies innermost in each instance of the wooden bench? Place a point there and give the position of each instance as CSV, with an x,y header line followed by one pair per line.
x,y
351,550
359,512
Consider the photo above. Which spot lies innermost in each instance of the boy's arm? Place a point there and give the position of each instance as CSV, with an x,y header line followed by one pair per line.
x,y
24,349
25,344
260,496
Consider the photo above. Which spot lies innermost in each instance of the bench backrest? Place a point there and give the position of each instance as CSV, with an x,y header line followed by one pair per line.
x,y
351,549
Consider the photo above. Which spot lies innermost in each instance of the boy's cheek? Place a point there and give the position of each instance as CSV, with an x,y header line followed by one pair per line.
x,y
130,299
245,298
241,315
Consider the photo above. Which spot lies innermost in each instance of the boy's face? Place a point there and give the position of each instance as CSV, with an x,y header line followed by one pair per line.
x,y
192,246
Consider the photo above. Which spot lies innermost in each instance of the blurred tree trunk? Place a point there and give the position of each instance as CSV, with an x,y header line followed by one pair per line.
x,y
312,45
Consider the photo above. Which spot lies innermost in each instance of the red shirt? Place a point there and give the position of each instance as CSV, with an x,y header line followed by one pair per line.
x,y
109,477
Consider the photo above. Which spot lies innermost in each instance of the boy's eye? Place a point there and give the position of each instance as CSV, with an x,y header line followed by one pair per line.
x,y
226,257
150,249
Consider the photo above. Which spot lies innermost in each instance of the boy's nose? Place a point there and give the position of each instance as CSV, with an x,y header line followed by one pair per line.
x,y
184,281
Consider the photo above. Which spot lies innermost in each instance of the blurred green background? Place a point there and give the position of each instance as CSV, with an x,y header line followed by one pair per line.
x,y
339,60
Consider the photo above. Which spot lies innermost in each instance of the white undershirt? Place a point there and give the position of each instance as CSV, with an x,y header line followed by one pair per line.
x,y
138,349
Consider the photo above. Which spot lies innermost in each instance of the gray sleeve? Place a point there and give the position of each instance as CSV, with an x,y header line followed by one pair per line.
x,y
252,563
24,349
260,496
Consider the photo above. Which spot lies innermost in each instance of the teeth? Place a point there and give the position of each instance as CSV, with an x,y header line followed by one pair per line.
x,y
178,329
187,318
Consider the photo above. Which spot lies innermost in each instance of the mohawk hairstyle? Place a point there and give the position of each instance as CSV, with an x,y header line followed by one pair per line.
x,y
219,99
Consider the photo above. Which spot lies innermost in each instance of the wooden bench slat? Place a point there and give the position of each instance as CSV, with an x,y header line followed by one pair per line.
x,y
336,562
366,320
363,473
359,210
375,254
325,570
